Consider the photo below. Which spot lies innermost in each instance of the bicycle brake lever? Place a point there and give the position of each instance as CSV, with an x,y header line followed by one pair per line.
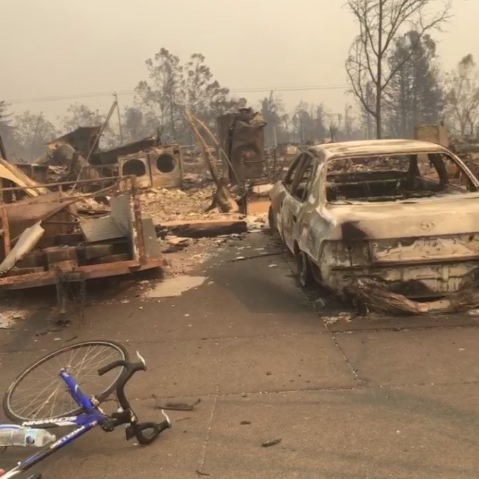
x,y
141,358
166,417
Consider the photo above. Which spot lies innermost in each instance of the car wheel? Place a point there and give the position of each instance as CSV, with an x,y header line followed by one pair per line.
x,y
305,275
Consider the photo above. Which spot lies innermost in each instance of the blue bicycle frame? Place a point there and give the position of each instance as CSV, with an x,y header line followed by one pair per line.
x,y
84,422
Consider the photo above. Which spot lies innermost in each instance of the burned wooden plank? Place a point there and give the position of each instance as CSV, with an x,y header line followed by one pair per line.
x,y
65,266
46,278
113,258
72,239
6,232
203,229
98,250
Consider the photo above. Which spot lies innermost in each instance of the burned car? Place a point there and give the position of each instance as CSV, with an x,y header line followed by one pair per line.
x,y
405,213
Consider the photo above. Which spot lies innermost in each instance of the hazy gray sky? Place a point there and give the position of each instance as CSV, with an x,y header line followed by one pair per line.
x,y
69,47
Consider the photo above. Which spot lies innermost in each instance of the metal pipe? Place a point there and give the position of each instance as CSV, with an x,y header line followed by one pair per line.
x,y
48,185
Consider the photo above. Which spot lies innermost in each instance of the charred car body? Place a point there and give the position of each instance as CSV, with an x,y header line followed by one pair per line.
x,y
405,213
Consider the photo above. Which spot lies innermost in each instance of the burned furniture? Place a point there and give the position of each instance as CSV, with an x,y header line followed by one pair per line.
x,y
403,213
47,242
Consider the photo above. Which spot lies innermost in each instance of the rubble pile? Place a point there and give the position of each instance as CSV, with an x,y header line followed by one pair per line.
x,y
82,213
9,315
189,203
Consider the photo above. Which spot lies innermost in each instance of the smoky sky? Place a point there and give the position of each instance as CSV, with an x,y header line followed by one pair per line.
x,y
52,48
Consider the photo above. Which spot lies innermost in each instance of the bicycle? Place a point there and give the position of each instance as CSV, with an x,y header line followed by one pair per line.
x,y
87,414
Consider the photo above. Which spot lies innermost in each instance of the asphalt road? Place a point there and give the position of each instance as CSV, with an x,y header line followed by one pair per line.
x,y
366,398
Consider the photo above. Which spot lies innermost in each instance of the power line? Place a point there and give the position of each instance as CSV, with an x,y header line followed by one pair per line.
x,y
68,97
17,101
299,88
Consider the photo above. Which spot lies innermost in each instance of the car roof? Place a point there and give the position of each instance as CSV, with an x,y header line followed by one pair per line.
x,y
373,147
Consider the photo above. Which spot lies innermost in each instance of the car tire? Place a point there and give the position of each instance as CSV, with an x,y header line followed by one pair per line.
x,y
305,274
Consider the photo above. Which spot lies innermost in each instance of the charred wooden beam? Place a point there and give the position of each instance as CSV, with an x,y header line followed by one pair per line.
x,y
202,229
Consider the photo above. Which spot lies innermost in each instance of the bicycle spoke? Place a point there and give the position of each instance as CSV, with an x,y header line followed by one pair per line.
x,y
54,400
88,362
41,393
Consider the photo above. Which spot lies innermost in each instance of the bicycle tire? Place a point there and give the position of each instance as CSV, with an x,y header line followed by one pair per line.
x,y
57,385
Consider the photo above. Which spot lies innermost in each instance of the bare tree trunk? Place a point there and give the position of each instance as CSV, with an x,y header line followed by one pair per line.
x,y
172,121
368,116
379,81
415,113
379,133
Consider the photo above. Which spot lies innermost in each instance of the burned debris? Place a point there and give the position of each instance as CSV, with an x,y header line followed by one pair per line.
x,y
79,213
363,218
46,241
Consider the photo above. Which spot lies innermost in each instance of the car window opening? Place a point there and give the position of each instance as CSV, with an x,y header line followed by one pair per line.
x,y
301,186
395,178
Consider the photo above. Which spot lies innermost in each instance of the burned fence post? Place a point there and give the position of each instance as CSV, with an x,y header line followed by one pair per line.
x,y
6,232
139,239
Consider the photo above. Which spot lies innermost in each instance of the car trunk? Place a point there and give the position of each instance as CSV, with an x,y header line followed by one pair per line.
x,y
422,248
420,218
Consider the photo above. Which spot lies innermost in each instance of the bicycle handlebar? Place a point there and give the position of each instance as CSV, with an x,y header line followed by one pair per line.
x,y
138,430
115,364
128,372
135,429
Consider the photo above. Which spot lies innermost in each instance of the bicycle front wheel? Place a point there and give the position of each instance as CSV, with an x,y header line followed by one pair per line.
x,y
39,392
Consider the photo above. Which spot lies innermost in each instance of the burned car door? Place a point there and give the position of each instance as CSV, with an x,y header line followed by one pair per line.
x,y
307,220
279,193
294,200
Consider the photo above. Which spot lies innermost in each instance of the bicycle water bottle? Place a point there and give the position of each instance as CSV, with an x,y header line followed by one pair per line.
x,y
13,435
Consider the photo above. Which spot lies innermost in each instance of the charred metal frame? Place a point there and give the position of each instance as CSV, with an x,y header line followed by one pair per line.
x,y
312,229
139,262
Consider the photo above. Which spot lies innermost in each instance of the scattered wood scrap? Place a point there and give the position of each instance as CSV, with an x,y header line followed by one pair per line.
x,y
261,255
202,229
201,473
176,406
273,442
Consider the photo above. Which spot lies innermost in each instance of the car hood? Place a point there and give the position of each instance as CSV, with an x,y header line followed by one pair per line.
x,y
419,218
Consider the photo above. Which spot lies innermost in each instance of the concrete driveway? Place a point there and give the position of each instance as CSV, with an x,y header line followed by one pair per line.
x,y
359,398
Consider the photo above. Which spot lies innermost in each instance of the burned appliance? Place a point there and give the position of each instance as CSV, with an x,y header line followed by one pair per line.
x,y
154,168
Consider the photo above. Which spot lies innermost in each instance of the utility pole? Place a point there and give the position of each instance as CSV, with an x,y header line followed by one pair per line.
x,y
115,95
35,136
3,153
